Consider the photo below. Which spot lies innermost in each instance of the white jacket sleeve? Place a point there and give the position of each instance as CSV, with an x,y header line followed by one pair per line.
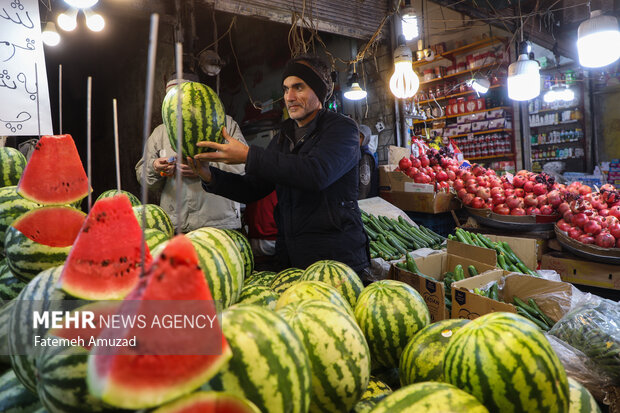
x,y
154,145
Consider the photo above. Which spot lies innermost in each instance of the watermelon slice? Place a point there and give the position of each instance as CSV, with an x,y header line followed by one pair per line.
x,y
104,263
54,175
210,402
131,379
41,239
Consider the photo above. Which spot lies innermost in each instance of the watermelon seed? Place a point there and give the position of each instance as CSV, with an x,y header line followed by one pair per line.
x,y
105,263
160,277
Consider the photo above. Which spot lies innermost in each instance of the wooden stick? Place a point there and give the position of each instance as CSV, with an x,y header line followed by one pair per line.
x,y
89,95
178,177
60,98
116,152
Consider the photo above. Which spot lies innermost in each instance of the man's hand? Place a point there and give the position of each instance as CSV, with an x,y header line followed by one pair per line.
x,y
186,171
164,167
232,153
200,168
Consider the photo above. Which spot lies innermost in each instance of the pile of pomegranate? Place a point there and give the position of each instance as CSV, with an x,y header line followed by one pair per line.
x,y
438,168
591,217
525,193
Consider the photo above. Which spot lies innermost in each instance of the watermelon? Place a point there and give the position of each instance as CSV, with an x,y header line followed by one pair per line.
x,y
14,397
112,192
234,261
203,116
54,174
422,359
5,319
261,278
506,362
244,247
581,401
339,356
285,278
39,295
390,376
338,275
430,397
259,295
12,206
41,239
12,164
156,218
105,261
390,313
10,286
313,290
375,392
154,237
209,401
270,366
135,381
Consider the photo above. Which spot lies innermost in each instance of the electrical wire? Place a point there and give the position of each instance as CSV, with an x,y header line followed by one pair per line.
x,y
232,23
247,90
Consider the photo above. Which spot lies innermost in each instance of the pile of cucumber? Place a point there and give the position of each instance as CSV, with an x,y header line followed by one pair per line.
x,y
532,312
391,238
506,258
452,276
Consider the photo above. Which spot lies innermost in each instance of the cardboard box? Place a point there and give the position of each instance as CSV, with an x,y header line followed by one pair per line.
x,y
435,265
525,248
578,271
553,297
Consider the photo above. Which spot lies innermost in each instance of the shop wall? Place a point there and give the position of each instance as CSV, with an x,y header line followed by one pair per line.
x,y
607,123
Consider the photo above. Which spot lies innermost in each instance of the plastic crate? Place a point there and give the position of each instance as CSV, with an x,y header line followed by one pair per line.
x,y
443,223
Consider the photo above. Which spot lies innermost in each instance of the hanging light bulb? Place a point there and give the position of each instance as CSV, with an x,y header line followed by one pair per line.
x,y
355,92
550,96
568,95
49,34
481,85
81,4
67,20
523,77
598,41
404,83
94,21
409,22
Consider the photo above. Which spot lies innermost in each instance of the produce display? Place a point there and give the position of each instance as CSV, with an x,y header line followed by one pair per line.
x,y
260,295
285,279
375,392
313,290
13,164
12,206
581,401
210,401
435,167
113,192
391,238
10,286
338,275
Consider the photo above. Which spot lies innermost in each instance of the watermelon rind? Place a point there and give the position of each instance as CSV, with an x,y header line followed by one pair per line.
x,y
14,397
154,237
270,365
581,401
12,164
390,313
507,363
313,290
375,392
285,279
10,286
258,295
12,206
5,320
156,218
245,249
430,397
261,278
212,401
112,192
338,275
337,350
203,116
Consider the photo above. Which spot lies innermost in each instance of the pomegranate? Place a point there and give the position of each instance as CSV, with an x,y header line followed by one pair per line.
x,y
458,184
584,189
513,202
404,164
518,181
482,181
530,200
519,192
451,175
605,240
461,193
517,211
615,211
563,225
542,200
509,191
420,178
574,232
441,176
568,216
562,208
586,239
477,202
528,186
415,162
546,210
501,209
412,171
472,189
477,170
612,221
540,189
532,211
580,219
497,190
498,199
592,227
424,161
555,199
467,199
603,212
484,193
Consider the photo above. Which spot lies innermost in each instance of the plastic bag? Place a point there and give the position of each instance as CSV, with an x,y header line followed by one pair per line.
x,y
580,367
593,326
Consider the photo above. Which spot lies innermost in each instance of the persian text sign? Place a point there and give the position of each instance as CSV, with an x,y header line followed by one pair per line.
x,y
23,78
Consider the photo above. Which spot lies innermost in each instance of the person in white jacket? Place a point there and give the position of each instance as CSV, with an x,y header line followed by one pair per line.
x,y
199,208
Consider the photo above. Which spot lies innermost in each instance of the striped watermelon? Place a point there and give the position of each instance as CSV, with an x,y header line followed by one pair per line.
x,y
269,366
154,237
313,290
338,275
390,313
286,278
12,206
209,402
111,192
422,359
261,278
14,397
41,239
10,286
228,249
581,401
203,116
156,218
12,164
339,356
430,397
389,376
39,295
375,392
5,319
54,174
506,362
245,249
258,295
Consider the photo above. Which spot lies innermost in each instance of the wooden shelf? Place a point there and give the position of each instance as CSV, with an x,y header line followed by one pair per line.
x,y
482,132
556,159
460,73
469,92
555,143
503,155
554,110
461,114
568,122
459,50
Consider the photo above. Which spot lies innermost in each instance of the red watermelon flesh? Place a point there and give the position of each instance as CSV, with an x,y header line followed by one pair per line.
x,y
209,402
133,380
104,262
54,175
51,226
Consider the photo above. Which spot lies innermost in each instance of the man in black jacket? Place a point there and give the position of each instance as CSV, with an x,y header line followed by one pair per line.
x,y
313,165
